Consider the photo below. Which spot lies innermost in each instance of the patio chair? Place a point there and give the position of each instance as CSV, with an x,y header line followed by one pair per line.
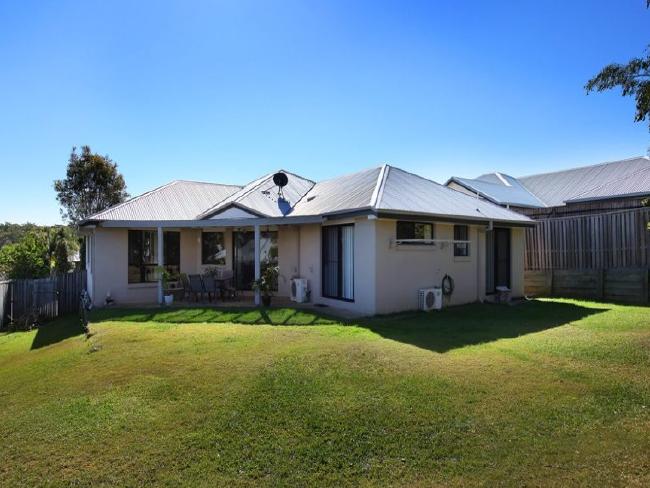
x,y
210,286
195,286
185,283
228,290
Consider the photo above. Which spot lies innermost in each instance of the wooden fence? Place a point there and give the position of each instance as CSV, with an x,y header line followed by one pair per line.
x,y
598,241
47,297
617,285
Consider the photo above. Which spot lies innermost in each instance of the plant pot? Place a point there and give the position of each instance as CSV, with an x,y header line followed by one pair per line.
x,y
266,301
169,299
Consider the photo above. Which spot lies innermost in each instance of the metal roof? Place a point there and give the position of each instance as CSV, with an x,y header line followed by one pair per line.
x,y
345,193
634,184
600,180
261,196
383,189
178,200
500,188
405,192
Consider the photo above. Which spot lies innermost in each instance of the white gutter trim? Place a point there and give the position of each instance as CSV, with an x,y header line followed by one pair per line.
x,y
246,222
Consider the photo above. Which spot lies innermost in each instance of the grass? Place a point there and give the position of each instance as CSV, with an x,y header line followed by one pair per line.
x,y
553,392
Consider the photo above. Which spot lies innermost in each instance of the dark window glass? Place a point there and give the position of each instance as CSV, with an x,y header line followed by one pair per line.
x,y
414,230
143,254
213,248
244,256
461,233
338,262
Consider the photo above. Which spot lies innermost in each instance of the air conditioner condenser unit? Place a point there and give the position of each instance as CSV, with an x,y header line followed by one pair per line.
x,y
299,290
430,299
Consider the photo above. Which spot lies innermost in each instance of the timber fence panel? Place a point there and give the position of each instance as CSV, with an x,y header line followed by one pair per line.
x,y
48,298
604,241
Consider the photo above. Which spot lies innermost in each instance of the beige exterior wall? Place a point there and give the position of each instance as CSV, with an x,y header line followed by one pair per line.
x,y
517,249
386,277
403,270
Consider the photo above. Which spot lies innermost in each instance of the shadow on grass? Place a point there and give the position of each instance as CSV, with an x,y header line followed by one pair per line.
x,y
467,325
56,331
213,315
449,329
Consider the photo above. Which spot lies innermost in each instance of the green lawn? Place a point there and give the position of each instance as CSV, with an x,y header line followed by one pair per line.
x,y
543,393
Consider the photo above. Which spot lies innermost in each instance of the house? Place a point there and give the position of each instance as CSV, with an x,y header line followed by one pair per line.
x,y
366,242
590,217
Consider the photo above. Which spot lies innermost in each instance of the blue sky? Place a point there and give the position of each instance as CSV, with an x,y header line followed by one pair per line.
x,y
228,90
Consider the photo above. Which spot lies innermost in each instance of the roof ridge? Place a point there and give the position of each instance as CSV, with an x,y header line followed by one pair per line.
x,y
235,196
585,167
208,183
375,198
131,200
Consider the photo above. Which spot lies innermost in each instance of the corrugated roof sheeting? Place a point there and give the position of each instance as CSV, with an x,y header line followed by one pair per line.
x,y
178,200
634,184
261,195
382,189
411,193
345,193
556,188
515,194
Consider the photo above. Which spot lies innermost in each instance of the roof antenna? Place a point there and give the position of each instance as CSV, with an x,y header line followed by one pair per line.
x,y
280,180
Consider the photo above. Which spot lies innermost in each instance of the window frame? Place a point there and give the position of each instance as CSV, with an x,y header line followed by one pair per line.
x,y
147,268
461,249
204,262
413,240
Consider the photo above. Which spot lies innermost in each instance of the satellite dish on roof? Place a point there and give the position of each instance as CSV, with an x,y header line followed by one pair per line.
x,y
280,179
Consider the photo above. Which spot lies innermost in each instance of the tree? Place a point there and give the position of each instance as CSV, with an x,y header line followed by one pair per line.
x,y
633,78
10,233
39,253
92,184
27,258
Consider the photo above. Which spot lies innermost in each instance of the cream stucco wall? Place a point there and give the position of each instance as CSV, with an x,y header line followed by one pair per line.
x,y
386,276
517,249
403,270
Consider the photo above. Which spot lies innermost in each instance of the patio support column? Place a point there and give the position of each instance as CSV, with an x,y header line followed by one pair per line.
x,y
258,267
161,262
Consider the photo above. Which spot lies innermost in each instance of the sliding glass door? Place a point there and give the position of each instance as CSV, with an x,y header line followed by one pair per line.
x,y
338,262
244,256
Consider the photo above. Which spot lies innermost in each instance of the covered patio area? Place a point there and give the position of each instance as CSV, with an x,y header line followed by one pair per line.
x,y
184,259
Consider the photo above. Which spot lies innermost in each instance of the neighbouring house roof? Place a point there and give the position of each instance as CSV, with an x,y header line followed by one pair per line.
x,y
600,180
595,182
384,190
405,192
500,188
178,200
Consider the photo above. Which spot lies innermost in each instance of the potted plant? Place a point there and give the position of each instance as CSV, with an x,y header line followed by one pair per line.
x,y
267,283
165,276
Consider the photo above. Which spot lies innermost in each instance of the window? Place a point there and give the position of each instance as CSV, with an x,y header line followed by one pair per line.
x,y
143,254
414,230
213,248
338,262
461,233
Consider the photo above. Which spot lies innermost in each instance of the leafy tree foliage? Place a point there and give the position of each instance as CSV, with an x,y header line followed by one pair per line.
x,y
92,184
633,78
25,259
10,233
39,253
